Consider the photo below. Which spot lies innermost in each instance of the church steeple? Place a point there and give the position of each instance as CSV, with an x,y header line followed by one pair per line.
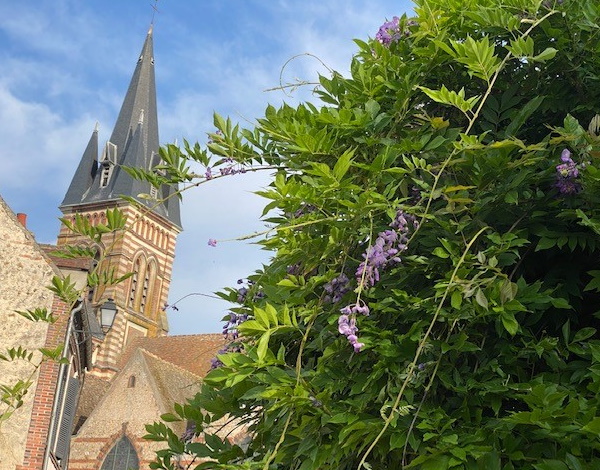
x,y
133,142
146,248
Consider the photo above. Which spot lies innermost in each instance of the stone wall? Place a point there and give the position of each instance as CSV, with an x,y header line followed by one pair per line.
x,y
24,274
124,411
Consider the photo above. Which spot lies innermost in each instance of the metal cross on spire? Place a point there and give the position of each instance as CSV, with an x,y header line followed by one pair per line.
x,y
154,10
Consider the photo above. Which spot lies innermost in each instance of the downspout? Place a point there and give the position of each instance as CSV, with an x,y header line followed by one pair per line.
x,y
61,374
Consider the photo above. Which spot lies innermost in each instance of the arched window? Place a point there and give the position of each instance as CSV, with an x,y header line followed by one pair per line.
x,y
138,276
146,304
131,381
121,457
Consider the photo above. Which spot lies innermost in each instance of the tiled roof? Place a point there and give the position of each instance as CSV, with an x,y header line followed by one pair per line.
x,y
93,389
190,352
83,264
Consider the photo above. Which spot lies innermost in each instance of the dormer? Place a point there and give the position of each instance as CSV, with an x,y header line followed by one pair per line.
x,y
107,163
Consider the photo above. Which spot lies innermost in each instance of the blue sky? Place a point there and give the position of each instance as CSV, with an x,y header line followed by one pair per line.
x,y
66,65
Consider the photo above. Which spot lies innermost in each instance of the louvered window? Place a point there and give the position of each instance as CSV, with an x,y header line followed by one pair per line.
x,y
138,268
145,290
105,176
66,416
121,457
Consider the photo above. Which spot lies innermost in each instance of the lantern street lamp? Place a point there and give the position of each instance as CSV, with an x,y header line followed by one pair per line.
x,y
108,312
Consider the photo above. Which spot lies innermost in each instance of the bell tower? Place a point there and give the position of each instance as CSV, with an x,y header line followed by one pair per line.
x,y
146,247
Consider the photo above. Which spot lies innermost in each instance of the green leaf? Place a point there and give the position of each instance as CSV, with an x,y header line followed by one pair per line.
x,y
343,164
593,426
169,417
478,56
573,462
490,461
546,54
594,284
521,47
551,465
524,113
509,322
584,334
451,98
261,317
481,299
545,244
456,299
440,252
263,345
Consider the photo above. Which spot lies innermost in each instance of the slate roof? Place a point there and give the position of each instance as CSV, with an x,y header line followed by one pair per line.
x,y
135,136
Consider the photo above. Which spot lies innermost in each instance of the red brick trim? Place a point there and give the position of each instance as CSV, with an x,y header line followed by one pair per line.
x,y
37,436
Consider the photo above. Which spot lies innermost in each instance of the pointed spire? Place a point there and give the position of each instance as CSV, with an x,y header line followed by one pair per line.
x,y
134,142
140,97
86,172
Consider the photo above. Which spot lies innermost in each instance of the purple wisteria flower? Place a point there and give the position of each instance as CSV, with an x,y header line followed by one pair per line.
x,y
347,327
231,168
230,348
347,323
233,320
389,32
212,242
386,249
294,269
567,174
208,173
336,289
379,256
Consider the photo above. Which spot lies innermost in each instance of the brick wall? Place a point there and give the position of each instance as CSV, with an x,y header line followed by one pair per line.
x,y
43,402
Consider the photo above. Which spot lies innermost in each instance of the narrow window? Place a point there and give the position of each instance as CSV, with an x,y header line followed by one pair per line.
x,y
139,268
145,290
131,381
149,288
105,176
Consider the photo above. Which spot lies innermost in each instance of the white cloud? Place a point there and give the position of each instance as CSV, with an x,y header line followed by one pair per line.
x,y
67,64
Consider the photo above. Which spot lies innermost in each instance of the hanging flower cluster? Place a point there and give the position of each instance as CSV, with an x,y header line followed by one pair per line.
x,y
389,32
336,289
379,256
392,31
386,249
231,347
242,292
347,323
230,328
231,168
567,174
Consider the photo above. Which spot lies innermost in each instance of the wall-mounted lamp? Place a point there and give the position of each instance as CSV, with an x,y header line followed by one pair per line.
x,y
108,312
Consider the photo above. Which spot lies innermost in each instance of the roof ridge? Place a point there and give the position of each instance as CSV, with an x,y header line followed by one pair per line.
x,y
142,350
194,334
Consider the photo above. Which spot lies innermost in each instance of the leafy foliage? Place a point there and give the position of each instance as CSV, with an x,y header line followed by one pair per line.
x,y
480,348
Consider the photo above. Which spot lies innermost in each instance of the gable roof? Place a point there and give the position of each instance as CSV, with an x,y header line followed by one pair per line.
x,y
190,352
174,367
